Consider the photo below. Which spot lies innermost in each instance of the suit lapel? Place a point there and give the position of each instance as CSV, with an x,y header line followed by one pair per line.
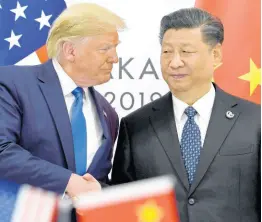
x,y
100,160
51,89
101,113
218,129
164,125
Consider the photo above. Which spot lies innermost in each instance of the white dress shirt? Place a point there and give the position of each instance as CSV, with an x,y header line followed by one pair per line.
x,y
93,125
203,106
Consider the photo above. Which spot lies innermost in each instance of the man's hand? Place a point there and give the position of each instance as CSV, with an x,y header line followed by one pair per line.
x,y
78,185
94,184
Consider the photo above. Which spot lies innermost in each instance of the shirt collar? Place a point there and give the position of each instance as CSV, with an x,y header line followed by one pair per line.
x,y
203,106
67,84
179,108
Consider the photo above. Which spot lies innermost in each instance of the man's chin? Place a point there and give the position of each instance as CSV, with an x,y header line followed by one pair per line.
x,y
107,78
103,80
179,87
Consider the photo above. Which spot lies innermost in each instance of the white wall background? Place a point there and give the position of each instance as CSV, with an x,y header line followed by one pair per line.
x,y
140,42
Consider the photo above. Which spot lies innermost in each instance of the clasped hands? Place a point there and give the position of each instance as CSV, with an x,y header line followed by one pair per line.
x,y
78,185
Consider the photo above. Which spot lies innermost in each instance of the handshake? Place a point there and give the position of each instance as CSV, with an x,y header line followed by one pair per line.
x,y
78,185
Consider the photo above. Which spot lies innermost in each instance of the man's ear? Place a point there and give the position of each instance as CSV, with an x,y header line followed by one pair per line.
x,y
217,55
68,51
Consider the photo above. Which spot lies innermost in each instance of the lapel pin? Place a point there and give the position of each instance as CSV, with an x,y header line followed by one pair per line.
x,y
230,115
104,113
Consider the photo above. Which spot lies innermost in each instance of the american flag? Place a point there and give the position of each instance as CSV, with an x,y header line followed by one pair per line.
x,y
24,26
23,203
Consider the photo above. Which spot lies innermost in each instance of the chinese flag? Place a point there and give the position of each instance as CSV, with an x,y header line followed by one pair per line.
x,y
240,71
151,200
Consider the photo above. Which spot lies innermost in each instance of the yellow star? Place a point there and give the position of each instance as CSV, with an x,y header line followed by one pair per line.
x,y
150,212
254,77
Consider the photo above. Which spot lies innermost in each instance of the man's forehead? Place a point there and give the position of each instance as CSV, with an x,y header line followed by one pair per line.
x,y
107,38
183,37
184,32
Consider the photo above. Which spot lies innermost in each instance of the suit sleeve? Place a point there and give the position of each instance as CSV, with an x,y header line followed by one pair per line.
x,y
123,170
17,164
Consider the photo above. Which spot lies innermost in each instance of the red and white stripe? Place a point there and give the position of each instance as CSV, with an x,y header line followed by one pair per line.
x,y
33,205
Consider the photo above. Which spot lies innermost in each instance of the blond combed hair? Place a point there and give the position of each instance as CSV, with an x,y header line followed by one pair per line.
x,y
81,20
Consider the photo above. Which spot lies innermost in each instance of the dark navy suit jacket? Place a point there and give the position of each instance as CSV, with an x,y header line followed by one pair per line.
x,y
36,144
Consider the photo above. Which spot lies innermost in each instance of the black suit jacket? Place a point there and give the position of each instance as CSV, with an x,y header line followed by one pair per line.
x,y
227,183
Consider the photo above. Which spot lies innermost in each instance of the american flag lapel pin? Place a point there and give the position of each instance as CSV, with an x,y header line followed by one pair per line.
x,y
104,113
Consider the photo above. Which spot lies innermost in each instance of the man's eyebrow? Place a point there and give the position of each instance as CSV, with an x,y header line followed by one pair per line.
x,y
110,44
170,44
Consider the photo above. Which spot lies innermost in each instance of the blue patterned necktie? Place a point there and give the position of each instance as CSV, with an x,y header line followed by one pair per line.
x,y
78,124
190,143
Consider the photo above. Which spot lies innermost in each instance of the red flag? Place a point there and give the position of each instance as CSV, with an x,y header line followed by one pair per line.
x,y
151,200
240,71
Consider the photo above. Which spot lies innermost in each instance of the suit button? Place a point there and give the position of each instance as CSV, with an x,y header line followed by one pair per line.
x,y
191,201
